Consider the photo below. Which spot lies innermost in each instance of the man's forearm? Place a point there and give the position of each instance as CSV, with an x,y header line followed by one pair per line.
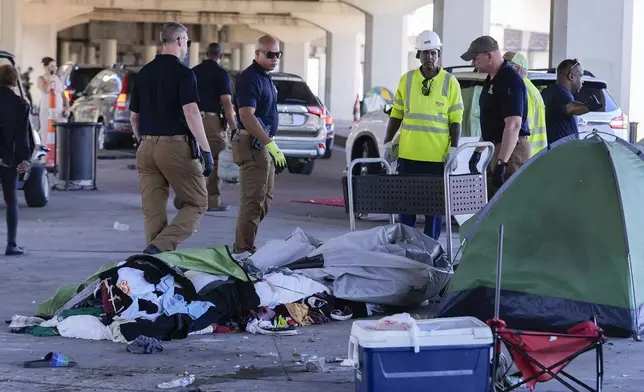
x,y
454,133
229,113
392,127
509,142
254,128
134,121
195,124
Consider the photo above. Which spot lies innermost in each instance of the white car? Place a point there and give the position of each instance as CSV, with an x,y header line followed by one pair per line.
x,y
367,137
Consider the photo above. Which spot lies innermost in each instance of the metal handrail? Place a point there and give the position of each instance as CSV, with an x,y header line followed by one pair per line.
x,y
446,184
352,164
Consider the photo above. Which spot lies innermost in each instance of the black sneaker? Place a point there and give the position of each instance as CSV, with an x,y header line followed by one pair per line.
x,y
221,208
151,250
13,250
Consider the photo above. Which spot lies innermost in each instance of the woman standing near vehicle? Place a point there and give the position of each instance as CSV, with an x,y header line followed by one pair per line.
x,y
14,150
47,81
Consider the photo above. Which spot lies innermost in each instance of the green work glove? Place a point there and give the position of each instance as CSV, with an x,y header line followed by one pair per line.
x,y
276,153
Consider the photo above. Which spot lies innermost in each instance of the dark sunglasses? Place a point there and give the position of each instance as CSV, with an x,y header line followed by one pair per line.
x,y
270,55
427,89
188,42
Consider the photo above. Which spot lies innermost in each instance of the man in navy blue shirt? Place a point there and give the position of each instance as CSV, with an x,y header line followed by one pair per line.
x,y
215,102
503,111
561,106
253,147
165,115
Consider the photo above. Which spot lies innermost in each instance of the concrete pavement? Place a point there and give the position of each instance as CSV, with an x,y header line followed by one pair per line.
x,y
74,235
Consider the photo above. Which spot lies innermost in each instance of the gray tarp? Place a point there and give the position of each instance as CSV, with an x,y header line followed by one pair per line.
x,y
389,265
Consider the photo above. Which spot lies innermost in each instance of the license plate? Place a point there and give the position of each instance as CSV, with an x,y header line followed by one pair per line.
x,y
285,118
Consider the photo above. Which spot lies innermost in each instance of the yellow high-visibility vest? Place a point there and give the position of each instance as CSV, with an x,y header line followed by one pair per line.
x,y
536,118
424,133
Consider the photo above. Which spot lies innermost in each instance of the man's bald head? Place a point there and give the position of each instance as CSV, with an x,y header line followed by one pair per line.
x,y
268,52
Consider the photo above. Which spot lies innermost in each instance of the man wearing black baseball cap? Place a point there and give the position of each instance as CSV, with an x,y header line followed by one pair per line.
x,y
503,111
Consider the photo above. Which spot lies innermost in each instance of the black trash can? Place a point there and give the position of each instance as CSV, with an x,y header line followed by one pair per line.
x,y
632,137
76,154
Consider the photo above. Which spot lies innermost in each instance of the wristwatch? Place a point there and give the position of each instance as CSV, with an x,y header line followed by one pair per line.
x,y
501,163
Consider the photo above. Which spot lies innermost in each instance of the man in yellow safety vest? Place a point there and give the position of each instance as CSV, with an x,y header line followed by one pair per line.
x,y
536,108
428,110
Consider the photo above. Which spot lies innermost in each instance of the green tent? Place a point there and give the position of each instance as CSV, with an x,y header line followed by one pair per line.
x,y
216,260
573,244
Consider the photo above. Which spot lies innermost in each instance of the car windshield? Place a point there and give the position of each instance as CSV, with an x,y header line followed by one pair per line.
x,y
598,89
81,77
294,92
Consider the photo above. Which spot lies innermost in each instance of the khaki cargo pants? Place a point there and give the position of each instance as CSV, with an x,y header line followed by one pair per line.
x,y
163,162
256,180
217,139
520,155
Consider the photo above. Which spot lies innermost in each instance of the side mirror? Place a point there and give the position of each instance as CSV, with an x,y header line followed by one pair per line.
x,y
387,108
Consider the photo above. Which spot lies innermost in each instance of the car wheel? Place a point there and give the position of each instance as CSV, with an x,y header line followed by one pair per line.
x,y
297,166
37,187
329,149
366,149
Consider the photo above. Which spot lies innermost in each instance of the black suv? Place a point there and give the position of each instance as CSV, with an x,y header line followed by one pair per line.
x,y
76,77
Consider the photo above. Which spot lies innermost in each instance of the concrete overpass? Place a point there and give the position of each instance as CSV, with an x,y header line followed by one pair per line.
x,y
358,43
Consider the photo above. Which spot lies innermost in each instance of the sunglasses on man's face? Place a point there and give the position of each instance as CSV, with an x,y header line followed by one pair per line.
x,y
426,90
271,55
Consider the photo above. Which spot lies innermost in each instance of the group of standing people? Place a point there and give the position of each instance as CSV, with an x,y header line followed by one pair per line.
x,y
183,119
428,111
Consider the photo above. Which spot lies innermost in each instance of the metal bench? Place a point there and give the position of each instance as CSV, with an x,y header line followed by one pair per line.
x,y
448,195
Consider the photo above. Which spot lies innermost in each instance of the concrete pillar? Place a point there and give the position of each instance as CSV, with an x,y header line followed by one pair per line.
x,y
73,57
296,58
194,54
10,26
343,72
322,77
90,51
149,53
38,41
572,37
108,51
235,59
64,52
386,50
636,112
247,55
457,28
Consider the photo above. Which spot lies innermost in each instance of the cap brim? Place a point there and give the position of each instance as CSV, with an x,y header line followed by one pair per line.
x,y
468,56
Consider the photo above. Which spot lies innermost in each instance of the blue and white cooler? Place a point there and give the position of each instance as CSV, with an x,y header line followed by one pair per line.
x,y
436,355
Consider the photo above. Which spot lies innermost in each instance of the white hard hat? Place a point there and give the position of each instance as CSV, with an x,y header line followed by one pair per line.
x,y
428,40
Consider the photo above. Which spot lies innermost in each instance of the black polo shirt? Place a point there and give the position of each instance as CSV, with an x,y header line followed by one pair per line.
x,y
162,88
254,88
504,96
212,82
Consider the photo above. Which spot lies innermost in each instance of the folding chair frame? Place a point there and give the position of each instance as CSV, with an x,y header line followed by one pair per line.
x,y
597,345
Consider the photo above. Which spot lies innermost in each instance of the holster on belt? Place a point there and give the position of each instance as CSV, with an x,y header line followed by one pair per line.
x,y
256,143
195,150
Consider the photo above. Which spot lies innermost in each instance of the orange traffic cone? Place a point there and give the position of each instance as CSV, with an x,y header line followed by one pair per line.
x,y
356,109
50,160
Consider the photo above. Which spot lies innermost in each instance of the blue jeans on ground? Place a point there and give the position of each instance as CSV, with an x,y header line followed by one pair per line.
x,y
433,224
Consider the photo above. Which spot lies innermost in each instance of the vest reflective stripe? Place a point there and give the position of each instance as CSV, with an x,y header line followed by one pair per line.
x,y
424,133
536,118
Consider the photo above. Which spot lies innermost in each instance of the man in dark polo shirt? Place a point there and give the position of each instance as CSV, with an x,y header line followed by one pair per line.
x,y
215,102
253,147
503,111
166,117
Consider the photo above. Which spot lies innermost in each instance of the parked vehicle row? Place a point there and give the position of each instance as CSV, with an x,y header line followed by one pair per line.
x,y
305,133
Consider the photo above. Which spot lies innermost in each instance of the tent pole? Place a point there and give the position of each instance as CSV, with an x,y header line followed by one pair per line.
x,y
499,262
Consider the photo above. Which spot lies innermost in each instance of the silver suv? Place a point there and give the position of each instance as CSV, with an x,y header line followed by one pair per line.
x,y
302,131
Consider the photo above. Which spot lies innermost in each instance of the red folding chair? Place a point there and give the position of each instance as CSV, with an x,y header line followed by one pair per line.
x,y
542,356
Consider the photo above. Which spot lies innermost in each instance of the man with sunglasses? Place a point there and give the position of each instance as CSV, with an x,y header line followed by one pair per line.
x,y
561,106
503,111
166,119
428,110
254,150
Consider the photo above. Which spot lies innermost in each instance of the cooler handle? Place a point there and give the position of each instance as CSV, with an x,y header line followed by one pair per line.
x,y
353,354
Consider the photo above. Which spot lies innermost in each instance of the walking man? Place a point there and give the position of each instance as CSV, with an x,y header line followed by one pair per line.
x,y
428,110
254,150
14,150
215,103
561,106
504,111
536,108
166,119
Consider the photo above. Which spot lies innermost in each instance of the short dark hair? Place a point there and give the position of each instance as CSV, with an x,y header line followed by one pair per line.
x,y
8,76
47,60
566,66
215,49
